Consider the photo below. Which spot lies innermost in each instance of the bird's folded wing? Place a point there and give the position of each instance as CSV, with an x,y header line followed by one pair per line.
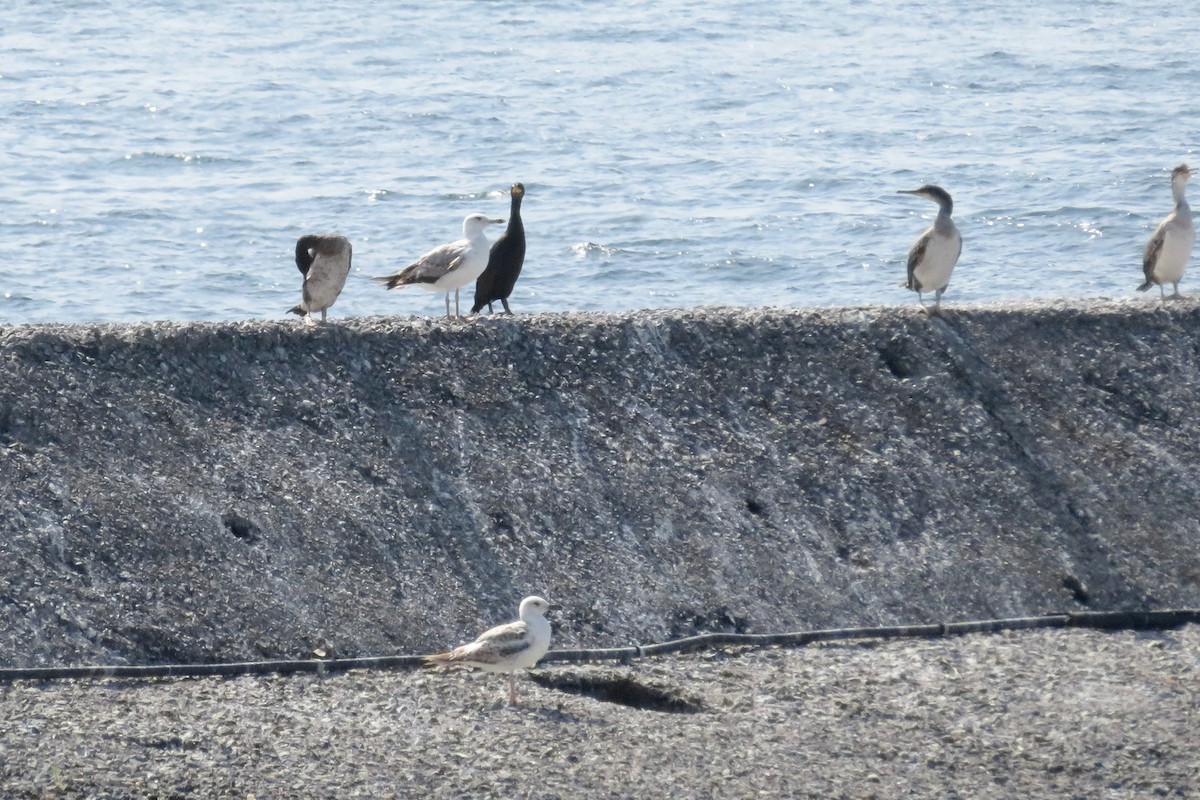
x,y
505,640
492,647
436,263
498,644
428,268
1153,248
917,253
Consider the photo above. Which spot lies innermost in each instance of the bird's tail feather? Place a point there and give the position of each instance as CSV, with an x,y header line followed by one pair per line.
x,y
441,659
298,310
390,281
1144,287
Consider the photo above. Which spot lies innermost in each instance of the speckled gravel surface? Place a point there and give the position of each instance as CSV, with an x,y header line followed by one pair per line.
x,y
1062,714
241,491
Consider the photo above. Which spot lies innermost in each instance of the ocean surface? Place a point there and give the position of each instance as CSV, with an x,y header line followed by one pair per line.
x,y
159,159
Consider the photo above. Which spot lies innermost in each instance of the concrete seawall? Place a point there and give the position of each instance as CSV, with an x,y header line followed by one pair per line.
x,y
208,492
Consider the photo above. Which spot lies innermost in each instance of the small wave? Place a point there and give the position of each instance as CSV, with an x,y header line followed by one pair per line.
x,y
591,250
152,156
117,216
500,192
456,197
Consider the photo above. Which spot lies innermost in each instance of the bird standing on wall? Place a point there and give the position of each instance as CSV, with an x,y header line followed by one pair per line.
x,y
506,648
507,258
451,266
1170,246
933,256
324,261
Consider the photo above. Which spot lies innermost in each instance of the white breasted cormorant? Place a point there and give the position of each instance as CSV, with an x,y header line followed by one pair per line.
x,y
324,261
933,256
1169,248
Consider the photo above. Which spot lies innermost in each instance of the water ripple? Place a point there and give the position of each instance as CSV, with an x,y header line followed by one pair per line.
x,y
673,153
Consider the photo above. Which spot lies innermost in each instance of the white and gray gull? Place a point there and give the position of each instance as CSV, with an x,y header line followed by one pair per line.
x,y
506,648
1170,246
451,266
324,261
934,254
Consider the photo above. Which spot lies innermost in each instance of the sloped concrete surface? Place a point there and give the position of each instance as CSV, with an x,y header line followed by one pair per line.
x,y
209,492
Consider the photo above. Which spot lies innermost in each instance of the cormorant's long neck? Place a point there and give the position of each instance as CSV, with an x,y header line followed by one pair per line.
x,y
1178,192
943,224
515,226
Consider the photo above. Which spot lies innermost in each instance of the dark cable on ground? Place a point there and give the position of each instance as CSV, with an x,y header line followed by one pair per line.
x,y
1101,620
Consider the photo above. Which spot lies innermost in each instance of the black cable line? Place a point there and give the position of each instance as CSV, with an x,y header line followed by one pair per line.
x,y
1100,620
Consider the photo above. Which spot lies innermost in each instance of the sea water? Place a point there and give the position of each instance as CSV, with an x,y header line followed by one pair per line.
x,y
159,159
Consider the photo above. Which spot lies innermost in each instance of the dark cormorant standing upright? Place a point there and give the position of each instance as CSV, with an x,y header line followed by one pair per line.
x,y
505,262
324,261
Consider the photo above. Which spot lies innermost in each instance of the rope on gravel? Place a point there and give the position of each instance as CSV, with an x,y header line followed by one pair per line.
x,y
1103,620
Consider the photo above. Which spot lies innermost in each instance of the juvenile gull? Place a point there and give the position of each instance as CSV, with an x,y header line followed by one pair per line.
x,y
451,266
1168,250
933,256
506,648
324,261
506,260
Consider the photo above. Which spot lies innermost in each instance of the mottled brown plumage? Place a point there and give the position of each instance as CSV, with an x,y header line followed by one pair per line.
x,y
324,261
506,648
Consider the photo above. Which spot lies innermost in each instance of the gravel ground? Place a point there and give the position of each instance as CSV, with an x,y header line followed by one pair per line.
x,y
1061,713
218,492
